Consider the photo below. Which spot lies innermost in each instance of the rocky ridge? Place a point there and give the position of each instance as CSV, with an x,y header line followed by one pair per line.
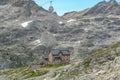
x,y
103,8
102,65
26,30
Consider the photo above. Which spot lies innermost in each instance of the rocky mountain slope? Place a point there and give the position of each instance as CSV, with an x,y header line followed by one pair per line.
x,y
112,7
21,26
27,30
102,65
95,27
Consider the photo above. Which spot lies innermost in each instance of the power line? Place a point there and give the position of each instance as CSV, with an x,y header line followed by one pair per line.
x,y
45,3
49,1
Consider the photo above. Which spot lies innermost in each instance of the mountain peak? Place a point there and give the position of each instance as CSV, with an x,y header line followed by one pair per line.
x,y
98,8
112,5
20,3
25,8
114,2
103,7
15,2
29,4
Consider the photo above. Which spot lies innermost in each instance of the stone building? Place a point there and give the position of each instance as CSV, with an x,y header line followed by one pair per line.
x,y
57,56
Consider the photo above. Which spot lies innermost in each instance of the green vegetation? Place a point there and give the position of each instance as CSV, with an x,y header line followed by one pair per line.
x,y
86,64
12,71
71,73
24,73
55,74
61,74
34,73
55,65
100,53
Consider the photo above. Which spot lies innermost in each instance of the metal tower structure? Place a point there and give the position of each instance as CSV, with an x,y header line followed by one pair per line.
x,y
51,8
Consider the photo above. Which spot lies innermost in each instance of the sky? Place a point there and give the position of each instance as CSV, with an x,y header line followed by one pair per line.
x,y
63,6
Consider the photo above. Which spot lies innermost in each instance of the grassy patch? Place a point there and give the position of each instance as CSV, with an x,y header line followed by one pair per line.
x,y
25,72
12,71
55,74
31,73
55,65
72,73
99,53
61,74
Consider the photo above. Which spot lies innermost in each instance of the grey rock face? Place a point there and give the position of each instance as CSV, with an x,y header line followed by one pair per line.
x,y
3,2
102,8
23,24
110,6
27,30
21,27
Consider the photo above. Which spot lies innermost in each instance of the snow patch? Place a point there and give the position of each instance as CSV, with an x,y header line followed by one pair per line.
x,y
78,42
60,22
36,42
54,34
86,29
25,24
71,20
16,20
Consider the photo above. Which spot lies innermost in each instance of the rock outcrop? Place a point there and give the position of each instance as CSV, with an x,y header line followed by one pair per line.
x,y
102,8
27,30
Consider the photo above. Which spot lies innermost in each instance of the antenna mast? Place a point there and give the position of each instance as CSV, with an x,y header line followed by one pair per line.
x,y
51,8
51,2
